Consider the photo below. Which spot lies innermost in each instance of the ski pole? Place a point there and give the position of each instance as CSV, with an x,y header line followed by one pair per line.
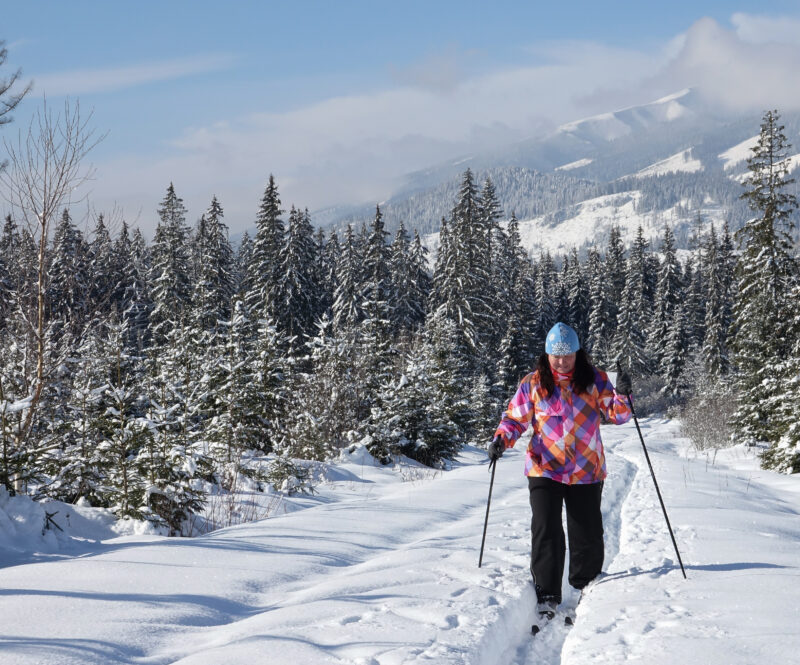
x,y
658,491
493,464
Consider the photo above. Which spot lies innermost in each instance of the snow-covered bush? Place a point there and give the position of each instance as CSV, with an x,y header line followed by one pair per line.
x,y
706,417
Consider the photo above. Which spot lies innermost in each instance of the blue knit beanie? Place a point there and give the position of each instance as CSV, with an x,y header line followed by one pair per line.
x,y
561,340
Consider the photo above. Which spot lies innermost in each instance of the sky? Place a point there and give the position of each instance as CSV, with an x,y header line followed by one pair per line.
x,y
340,100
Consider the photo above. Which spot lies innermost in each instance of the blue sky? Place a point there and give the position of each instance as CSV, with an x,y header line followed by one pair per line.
x,y
340,99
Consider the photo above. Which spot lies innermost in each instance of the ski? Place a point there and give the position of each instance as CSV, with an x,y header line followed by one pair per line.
x,y
546,617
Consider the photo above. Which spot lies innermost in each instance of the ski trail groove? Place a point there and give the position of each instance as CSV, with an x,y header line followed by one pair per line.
x,y
510,641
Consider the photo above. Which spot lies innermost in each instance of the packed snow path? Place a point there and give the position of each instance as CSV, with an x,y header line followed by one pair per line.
x,y
382,570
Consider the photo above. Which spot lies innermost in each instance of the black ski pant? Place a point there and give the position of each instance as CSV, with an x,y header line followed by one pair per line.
x,y
584,529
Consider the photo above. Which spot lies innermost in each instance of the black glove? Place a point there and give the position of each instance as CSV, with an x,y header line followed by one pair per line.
x,y
624,383
496,449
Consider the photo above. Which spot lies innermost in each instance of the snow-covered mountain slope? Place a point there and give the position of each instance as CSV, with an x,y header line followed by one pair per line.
x,y
589,223
677,150
739,153
681,162
578,163
380,568
611,126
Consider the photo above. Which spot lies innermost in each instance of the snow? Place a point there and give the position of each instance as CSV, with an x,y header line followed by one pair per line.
x,y
380,568
574,165
792,163
605,127
610,126
738,153
591,221
681,162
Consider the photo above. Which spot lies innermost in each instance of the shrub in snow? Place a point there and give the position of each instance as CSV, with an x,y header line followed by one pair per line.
x,y
705,419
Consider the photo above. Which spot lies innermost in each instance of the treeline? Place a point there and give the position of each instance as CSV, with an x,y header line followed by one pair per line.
x,y
173,368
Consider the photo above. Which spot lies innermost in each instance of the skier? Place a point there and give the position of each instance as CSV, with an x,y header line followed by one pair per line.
x,y
564,400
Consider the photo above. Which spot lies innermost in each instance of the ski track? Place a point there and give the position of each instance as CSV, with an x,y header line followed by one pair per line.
x,y
387,575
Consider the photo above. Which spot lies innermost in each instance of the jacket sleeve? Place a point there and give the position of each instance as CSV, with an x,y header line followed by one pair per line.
x,y
518,415
613,405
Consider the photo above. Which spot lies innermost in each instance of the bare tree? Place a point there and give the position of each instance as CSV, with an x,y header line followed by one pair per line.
x,y
45,168
8,99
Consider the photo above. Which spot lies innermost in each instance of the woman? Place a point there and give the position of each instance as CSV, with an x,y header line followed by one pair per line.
x,y
564,401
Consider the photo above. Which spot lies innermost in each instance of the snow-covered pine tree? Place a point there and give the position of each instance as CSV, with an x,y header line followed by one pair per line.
x,y
377,276
676,352
577,288
214,271
405,315
101,269
170,461
601,322
264,268
667,298
131,297
420,413
448,372
545,296
784,453
121,431
615,270
718,315
74,469
422,280
561,295
170,269
766,274
496,269
232,385
294,304
68,280
629,345
517,348
694,286
328,402
244,257
348,296
273,376
329,254
8,243
462,283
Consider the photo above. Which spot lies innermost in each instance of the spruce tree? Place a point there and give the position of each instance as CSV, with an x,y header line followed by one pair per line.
x,y
718,315
68,292
348,297
675,355
214,273
577,289
766,273
667,298
170,269
294,301
601,321
264,269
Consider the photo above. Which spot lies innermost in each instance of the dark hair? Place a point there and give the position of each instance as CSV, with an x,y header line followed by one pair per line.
x,y
582,376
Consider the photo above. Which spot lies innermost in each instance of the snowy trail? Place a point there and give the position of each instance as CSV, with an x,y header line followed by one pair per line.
x,y
378,571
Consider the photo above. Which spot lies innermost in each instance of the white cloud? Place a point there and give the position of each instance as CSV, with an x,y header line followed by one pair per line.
x,y
766,29
83,81
355,148
734,72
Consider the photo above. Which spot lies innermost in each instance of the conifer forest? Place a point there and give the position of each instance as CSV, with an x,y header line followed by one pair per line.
x,y
147,377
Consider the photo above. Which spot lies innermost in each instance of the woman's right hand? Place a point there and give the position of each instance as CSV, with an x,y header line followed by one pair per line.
x,y
496,449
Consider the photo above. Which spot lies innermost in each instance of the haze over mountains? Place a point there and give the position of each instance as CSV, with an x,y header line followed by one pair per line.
x,y
676,160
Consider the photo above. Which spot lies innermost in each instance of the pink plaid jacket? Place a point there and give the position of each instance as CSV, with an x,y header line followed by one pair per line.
x,y
566,444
